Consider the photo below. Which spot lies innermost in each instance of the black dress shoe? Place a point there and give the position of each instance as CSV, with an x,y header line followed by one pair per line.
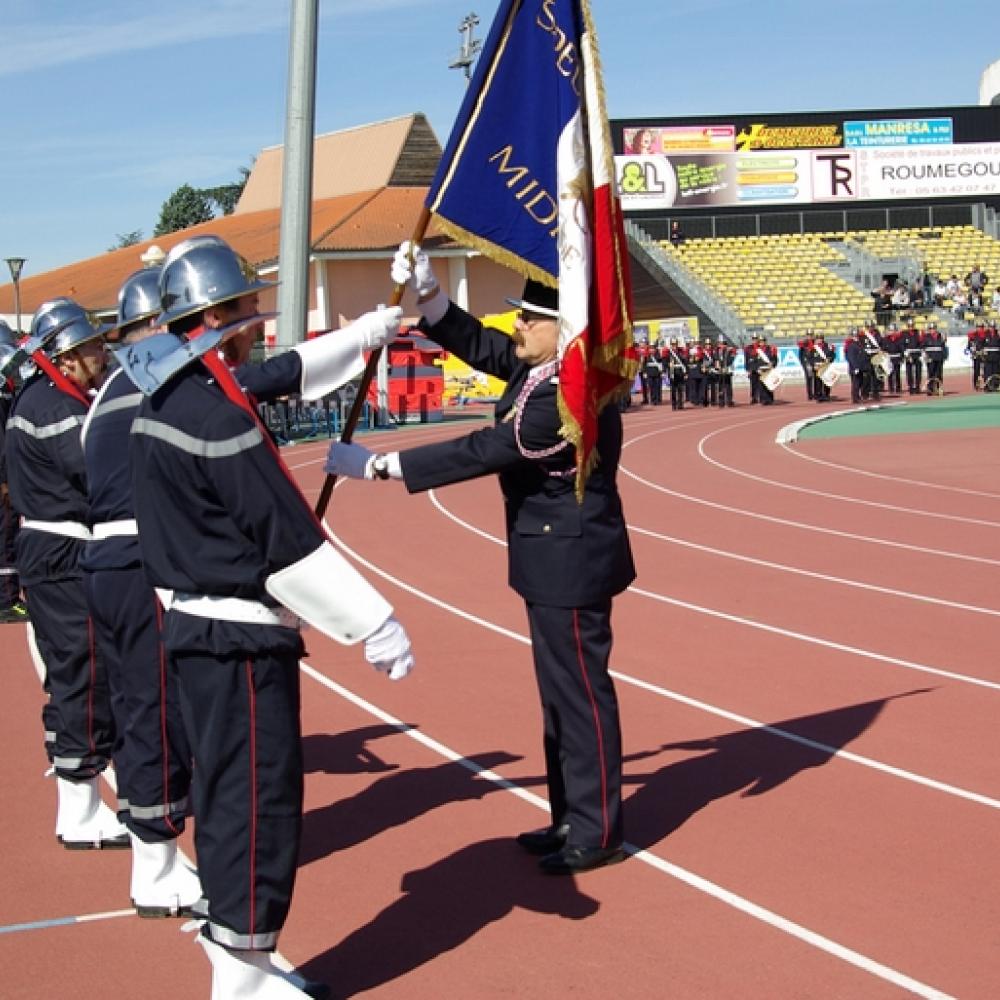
x,y
573,859
546,841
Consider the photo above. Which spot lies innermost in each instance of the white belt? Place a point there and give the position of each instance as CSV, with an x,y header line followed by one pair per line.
x,y
233,609
70,529
111,529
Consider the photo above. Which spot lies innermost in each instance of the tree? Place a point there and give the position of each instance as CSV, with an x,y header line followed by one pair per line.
x,y
226,196
185,207
127,239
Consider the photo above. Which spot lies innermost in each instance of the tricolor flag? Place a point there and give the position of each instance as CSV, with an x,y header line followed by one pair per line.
x,y
527,178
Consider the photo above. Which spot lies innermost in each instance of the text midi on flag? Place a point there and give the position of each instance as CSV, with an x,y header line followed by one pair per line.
x,y
527,178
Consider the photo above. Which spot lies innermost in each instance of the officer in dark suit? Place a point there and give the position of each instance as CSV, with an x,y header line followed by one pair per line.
x,y
566,559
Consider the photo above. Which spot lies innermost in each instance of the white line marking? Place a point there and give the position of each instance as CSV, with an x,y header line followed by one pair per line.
x,y
832,496
689,878
842,581
812,528
703,706
697,608
892,479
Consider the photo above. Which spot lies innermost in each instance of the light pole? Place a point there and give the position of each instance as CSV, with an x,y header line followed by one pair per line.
x,y
15,264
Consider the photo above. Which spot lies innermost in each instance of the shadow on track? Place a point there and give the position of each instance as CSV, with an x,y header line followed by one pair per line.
x,y
441,907
748,761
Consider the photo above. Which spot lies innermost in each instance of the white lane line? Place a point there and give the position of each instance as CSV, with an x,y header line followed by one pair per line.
x,y
813,529
891,479
712,612
689,878
816,641
826,577
874,765
832,496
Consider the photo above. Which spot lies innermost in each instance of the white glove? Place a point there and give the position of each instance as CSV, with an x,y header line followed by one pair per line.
x,y
349,460
387,649
376,329
417,275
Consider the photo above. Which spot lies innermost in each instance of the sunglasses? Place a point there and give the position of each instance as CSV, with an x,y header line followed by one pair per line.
x,y
531,318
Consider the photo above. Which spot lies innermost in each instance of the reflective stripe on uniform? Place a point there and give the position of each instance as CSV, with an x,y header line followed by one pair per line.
x,y
109,529
129,402
69,529
44,431
242,942
197,446
153,812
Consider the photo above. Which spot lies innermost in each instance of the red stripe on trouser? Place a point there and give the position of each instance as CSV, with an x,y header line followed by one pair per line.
x,y
92,647
252,706
599,733
164,737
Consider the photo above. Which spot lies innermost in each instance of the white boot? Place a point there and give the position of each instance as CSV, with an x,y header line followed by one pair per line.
x,y
162,885
247,975
83,821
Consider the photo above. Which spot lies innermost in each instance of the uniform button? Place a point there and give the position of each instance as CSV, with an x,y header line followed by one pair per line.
x,y
546,528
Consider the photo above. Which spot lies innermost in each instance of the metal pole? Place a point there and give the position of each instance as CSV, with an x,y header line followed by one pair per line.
x,y
297,172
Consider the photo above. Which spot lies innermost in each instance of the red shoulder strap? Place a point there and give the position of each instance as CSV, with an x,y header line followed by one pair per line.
x,y
59,380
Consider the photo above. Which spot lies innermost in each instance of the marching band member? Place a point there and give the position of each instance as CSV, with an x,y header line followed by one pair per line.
x,y
935,353
725,354
652,368
223,527
873,345
858,365
48,487
711,370
991,357
805,346
696,366
974,346
751,363
676,359
912,359
765,359
820,356
894,348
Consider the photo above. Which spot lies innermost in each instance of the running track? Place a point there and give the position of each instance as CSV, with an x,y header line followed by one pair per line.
x,y
809,697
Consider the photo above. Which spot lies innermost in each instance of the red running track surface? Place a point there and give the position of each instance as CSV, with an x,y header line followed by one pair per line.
x,y
809,699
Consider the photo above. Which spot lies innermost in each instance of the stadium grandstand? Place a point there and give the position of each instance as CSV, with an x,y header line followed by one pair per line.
x,y
788,223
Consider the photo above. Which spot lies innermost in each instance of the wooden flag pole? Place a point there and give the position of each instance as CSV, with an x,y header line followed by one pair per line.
x,y
369,373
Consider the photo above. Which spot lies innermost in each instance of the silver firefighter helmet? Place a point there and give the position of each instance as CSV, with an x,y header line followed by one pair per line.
x,y
60,325
203,275
138,299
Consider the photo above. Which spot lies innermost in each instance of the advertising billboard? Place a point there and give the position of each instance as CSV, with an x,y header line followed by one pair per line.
x,y
808,176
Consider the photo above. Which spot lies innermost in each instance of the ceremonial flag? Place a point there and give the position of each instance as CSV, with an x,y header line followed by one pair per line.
x,y
527,178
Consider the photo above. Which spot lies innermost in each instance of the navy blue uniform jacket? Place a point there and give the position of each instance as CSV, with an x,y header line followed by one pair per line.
x,y
560,553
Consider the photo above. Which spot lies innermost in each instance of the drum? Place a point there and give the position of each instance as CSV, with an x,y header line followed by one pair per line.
x,y
772,378
827,374
880,361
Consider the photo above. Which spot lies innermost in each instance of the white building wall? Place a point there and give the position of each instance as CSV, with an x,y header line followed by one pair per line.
x,y
989,85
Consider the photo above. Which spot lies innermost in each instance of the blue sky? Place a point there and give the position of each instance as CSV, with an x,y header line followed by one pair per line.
x,y
110,105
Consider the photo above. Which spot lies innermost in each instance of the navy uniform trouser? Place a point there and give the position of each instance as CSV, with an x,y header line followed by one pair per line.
x,y
153,758
10,588
582,733
78,720
241,712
